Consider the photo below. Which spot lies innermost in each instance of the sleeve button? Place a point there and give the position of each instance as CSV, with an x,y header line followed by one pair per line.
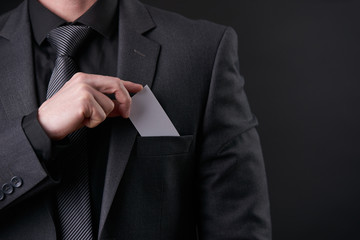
x,y
7,189
16,182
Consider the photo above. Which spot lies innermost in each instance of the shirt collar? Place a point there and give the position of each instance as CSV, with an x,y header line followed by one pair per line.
x,y
100,17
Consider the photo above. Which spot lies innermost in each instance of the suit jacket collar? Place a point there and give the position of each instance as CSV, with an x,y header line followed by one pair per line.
x,y
18,94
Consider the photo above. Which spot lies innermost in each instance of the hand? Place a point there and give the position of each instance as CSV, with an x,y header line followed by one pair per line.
x,y
82,102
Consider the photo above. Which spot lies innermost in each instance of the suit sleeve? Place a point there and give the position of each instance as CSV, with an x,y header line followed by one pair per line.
x,y
233,198
18,159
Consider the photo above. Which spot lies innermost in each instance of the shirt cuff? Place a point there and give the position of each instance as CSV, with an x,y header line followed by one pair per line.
x,y
50,153
37,137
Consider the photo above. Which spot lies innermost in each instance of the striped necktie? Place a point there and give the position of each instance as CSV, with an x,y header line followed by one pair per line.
x,y
73,197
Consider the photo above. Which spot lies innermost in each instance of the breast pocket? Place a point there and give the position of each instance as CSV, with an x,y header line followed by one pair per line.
x,y
163,146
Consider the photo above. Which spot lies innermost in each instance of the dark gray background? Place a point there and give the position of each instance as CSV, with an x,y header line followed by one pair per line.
x,y
301,63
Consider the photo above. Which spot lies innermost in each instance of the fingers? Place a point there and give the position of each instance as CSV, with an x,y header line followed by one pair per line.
x,y
95,114
82,101
111,85
105,102
106,84
120,110
132,87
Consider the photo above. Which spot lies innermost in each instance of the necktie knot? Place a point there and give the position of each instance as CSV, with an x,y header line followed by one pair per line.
x,y
67,39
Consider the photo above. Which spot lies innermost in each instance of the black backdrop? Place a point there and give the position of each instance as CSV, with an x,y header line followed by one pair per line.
x,y
301,62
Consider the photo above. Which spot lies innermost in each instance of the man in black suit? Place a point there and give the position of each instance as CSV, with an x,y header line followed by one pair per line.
x,y
208,183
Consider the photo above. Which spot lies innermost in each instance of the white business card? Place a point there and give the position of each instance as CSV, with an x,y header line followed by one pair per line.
x,y
148,117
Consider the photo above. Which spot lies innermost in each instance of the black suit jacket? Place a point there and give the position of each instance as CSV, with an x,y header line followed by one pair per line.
x,y
208,184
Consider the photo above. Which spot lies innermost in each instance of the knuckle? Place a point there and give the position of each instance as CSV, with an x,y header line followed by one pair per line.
x,y
102,116
86,94
79,77
97,118
119,85
110,108
83,90
128,100
118,80
82,108
85,98
125,99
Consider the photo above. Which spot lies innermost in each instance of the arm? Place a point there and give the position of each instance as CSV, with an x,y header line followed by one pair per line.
x,y
233,198
17,158
81,102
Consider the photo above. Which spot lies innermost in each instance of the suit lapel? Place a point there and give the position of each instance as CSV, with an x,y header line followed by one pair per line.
x,y
17,95
137,61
